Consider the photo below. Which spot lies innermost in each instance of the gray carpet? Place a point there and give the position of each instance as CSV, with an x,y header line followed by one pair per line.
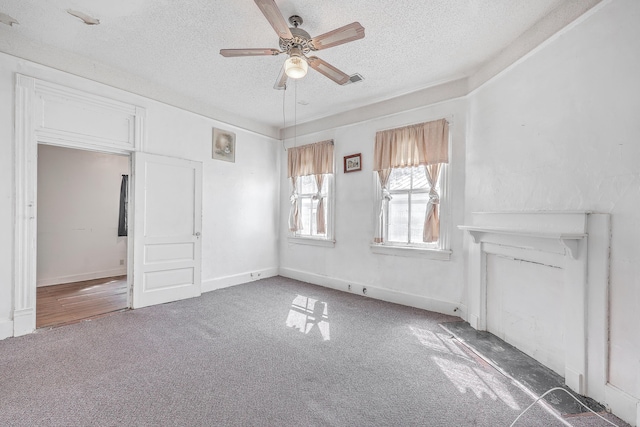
x,y
276,352
526,370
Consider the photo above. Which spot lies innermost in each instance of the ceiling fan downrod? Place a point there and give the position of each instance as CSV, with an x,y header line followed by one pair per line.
x,y
295,20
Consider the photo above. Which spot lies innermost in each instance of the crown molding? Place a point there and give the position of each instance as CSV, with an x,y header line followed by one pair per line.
x,y
561,19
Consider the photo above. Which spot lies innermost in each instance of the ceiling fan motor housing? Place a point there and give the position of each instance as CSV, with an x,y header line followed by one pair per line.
x,y
300,40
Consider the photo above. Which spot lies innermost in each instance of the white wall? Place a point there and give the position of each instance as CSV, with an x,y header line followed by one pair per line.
x,y
560,131
240,200
432,284
78,206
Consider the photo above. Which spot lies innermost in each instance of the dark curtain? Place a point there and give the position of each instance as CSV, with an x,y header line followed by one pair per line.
x,y
124,206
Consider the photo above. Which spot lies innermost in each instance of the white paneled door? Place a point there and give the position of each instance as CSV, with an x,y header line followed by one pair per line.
x,y
167,225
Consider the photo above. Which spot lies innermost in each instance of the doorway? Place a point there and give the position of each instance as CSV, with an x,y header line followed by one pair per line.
x,y
165,212
82,234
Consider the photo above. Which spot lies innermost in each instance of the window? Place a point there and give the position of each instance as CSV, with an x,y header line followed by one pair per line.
x,y
411,175
310,172
405,211
308,206
123,227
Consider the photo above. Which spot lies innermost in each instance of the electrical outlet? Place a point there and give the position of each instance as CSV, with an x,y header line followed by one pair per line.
x,y
121,262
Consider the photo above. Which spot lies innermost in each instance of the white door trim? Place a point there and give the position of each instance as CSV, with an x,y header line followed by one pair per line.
x,y
33,124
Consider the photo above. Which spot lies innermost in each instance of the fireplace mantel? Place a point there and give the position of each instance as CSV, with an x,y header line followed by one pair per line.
x,y
556,242
576,242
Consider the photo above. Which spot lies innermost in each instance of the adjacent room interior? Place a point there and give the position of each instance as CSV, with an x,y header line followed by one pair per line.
x,y
82,234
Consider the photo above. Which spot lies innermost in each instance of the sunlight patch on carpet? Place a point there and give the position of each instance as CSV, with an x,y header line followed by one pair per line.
x,y
475,380
308,316
438,342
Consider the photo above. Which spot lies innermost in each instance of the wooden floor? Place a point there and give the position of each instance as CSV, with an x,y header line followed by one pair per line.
x,y
71,302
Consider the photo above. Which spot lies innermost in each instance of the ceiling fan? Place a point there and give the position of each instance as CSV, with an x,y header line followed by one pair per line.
x,y
297,43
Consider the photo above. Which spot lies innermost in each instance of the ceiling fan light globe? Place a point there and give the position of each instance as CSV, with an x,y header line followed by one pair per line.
x,y
296,67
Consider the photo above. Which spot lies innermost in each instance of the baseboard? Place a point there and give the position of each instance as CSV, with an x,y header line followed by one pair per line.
x,y
622,405
6,329
237,279
24,321
122,271
574,380
474,321
388,295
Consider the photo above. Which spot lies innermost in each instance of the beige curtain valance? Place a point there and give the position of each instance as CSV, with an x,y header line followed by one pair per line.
x,y
415,145
312,159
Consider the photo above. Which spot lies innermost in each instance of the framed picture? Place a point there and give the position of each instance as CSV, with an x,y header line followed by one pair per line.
x,y
223,145
352,163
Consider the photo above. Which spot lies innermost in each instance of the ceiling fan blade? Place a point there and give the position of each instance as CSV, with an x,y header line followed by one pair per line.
x,y
328,70
348,33
248,52
281,81
275,18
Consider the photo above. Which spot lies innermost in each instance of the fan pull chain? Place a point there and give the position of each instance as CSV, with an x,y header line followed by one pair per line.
x,y
295,112
284,117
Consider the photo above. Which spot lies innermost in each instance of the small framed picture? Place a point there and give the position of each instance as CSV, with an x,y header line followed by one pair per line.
x,y
223,145
352,163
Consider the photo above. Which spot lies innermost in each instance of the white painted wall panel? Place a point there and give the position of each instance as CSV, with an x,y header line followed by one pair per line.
x,y
560,131
68,115
179,181
517,292
157,280
168,251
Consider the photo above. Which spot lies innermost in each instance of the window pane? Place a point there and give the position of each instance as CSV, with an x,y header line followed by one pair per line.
x,y
418,210
398,218
325,184
306,208
306,185
420,177
313,225
400,179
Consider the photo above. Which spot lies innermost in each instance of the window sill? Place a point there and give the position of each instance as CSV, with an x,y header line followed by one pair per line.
x,y
311,241
411,251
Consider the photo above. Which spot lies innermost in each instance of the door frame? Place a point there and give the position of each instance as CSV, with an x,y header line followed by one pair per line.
x,y
35,124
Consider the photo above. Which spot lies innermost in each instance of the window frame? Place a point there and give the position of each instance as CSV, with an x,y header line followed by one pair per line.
x,y
328,239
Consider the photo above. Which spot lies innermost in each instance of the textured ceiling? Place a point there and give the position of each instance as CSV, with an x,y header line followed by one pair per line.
x,y
173,45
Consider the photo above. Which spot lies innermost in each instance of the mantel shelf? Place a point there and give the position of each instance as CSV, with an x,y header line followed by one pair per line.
x,y
569,241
